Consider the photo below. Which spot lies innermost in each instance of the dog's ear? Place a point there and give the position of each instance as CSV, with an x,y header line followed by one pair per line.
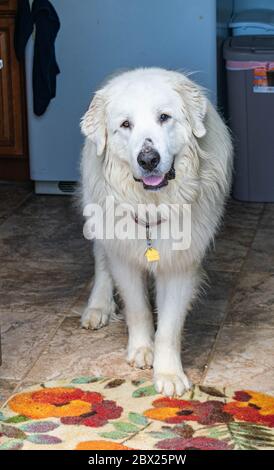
x,y
194,103
93,124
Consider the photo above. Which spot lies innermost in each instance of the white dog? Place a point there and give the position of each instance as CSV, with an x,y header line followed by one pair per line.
x,y
153,137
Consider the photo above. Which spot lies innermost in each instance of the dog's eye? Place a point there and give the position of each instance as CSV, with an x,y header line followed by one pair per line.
x,y
126,124
164,117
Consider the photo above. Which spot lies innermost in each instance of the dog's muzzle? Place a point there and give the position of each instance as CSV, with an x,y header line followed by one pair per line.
x,y
155,182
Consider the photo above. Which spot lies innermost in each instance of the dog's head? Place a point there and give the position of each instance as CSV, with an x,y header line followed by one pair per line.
x,y
145,117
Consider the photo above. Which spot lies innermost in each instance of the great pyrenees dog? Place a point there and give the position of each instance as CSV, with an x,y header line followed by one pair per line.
x,y
152,138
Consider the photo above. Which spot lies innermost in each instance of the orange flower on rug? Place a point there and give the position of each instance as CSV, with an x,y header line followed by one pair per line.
x,y
72,405
253,407
100,413
175,411
101,445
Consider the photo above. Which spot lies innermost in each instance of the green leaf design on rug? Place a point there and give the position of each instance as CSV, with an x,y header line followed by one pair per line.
x,y
126,427
43,439
17,419
115,435
212,391
86,380
138,419
117,412
114,383
12,445
12,432
148,391
161,435
243,436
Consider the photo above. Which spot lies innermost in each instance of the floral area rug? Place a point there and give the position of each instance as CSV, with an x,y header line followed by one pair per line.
x,y
97,413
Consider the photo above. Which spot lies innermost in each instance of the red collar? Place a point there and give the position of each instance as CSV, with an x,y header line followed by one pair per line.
x,y
146,223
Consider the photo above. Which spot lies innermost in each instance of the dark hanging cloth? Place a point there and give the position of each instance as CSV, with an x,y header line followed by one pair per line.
x,y
23,28
45,68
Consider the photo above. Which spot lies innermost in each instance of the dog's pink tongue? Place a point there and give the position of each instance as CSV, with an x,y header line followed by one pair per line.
x,y
153,180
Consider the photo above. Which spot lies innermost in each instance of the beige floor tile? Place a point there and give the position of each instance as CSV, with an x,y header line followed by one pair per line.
x,y
243,357
40,239
230,249
235,237
253,299
262,382
33,286
24,336
211,306
74,350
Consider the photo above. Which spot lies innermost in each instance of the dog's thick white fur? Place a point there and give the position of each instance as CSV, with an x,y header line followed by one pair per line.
x,y
123,116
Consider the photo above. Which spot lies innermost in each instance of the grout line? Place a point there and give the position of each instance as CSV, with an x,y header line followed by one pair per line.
x,y
43,349
63,317
49,338
232,293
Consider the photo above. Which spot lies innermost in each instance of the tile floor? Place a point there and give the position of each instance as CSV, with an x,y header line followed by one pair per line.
x,y
45,274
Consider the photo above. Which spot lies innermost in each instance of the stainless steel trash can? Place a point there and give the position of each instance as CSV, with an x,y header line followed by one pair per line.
x,y
250,82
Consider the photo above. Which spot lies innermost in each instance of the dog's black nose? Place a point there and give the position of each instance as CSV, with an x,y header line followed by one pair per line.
x,y
148,159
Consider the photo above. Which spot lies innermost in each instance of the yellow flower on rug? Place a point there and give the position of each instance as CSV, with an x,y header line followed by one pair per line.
x,y
100,413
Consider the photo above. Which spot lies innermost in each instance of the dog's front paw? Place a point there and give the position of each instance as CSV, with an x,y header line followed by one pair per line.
x,y
141,357
171,384
95,318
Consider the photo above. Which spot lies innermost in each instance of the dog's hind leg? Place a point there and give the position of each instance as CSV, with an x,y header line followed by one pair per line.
x,y
101,305
139,319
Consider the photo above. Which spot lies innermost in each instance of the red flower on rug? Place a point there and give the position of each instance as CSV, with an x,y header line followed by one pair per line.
x,y
175,411
71,405
253,407
83,414
98,416
194,443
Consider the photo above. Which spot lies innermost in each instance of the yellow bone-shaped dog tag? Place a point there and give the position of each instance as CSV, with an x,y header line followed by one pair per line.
x,y
152,255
